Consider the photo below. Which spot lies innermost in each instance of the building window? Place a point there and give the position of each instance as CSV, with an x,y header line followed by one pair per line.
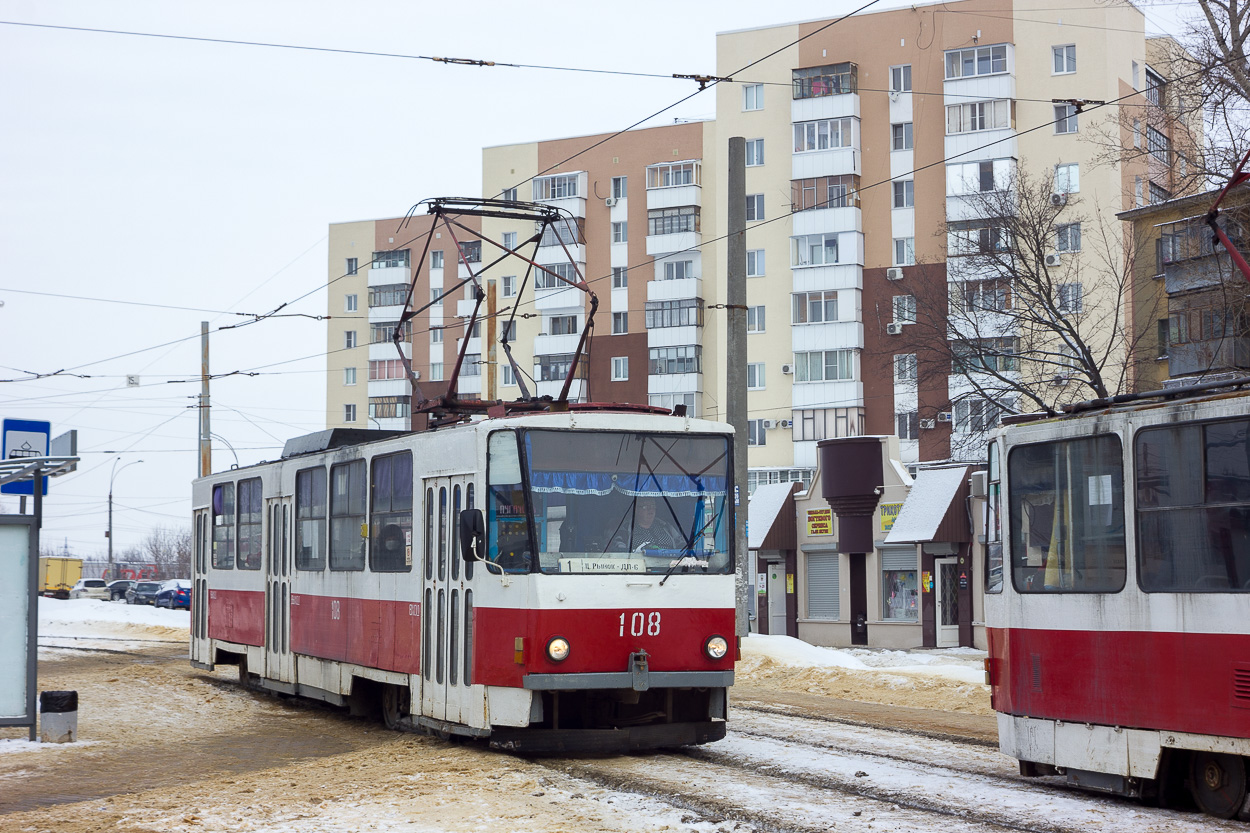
x,y
1157,144
436,371
383,369
832,79
1068,237
907,425
471,251
828,423
900,136
978,177
436,296
1065,118
1154,87
755,376
673,220
900,79
755,207
509,378
900,591
824,134
390,407
472,365
814,249
674,360
509,195
353,264
905,194
672,401
349,339
382,332
981,60
995,355
905,309
350,302
752,96
1068,178
904,251
819,307
507,332
620,277
509,240
562,325
436,335
1137,193
905,367
1071,298
976,237
568,232
755,263
755,152
678,270
349,376
824,192
349,413
1159,194
509,285
620,187
990,296
755,319
389,260
556,187
620,323
436,260
756,433
620,368
554,275
674,174
762,477
1136,76
620,232
687,312
824,366
975,416
388,295
977,116
1064,58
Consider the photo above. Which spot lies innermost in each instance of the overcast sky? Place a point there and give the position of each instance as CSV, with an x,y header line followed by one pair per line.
x,y
203,176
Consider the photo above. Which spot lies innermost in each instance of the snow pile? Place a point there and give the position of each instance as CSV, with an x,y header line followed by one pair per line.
x,y
86,618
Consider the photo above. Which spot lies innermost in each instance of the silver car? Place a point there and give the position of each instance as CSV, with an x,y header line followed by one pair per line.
x,y
90,588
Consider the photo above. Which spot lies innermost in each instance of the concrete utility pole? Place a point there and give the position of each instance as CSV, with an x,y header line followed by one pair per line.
x,y
206,442
491,387
736,362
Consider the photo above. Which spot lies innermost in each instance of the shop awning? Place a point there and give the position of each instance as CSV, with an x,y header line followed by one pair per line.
x,y
770,517
934,509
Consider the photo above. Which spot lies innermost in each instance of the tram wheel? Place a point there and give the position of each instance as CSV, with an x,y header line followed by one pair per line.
x,y
394,706
1218,783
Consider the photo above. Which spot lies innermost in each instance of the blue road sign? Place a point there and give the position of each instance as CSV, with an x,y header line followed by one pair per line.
x,y
25,438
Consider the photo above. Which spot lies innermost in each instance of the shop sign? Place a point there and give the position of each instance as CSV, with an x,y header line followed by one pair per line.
x,y
889,512
819,521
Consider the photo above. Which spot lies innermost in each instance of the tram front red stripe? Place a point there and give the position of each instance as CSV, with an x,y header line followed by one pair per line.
x,y
1181,682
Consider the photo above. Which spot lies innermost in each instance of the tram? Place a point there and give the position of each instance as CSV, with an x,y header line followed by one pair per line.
x,y
1118,595
498,579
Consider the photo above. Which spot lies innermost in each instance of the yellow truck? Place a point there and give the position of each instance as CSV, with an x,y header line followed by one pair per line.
x,y
58,575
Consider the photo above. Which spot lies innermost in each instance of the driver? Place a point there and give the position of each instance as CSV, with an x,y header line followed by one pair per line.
x,y
649,530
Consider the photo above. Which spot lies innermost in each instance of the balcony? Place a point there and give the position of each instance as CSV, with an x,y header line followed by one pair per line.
x,y
661,290
1208,357
383,275
564,191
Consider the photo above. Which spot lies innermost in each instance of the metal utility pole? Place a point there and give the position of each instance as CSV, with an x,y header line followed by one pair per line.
x,y
736,362
491,389
206,441
112,477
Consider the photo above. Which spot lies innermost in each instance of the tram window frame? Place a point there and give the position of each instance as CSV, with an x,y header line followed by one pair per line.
x,y
343,519
1090,485
223,526
311,514
1212,506
249,558
504,459
994,565
390,518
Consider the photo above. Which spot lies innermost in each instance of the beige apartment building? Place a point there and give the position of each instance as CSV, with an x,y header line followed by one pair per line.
x,y
869,142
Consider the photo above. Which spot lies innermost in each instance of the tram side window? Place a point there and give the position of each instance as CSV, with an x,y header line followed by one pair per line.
x,y
223,526
310,519
1067,516
506,521
1193,522
249,524
993,527
347,516
390,526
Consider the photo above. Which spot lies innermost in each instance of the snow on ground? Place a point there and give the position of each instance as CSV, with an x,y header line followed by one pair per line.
x,y
66,624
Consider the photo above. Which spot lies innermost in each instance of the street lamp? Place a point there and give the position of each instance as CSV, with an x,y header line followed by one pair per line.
x,y
112,477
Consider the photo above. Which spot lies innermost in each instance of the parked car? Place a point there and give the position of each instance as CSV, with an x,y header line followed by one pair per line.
x,y
175,593
143,593
117,589
90,588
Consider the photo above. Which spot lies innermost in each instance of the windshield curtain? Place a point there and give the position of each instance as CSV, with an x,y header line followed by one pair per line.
x,y
617,502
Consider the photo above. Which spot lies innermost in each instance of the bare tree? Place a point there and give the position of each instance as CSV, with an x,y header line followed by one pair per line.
x,y
170,550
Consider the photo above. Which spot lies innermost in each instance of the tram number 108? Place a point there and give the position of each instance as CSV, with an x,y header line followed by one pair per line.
x,y
640,623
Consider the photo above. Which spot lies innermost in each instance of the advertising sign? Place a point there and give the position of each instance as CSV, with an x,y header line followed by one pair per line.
x,y
819,521
889,511
16,593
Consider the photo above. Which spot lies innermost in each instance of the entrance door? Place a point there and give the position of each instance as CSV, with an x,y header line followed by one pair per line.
x,y
278,661
445,613
200,650
947,602
777,598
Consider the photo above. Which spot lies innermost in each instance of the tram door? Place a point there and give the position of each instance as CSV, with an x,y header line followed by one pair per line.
x,y
200,651
278,662
947,602
444,686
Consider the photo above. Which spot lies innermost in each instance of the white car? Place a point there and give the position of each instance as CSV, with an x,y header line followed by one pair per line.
x,y
90,588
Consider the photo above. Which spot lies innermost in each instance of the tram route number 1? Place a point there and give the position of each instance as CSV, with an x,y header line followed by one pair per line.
x,y
640,623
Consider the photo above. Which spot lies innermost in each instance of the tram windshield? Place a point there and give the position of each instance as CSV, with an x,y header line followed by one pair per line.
x,y
610,502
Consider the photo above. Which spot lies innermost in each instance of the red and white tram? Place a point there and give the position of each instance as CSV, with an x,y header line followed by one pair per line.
x,y
495,579
1118,596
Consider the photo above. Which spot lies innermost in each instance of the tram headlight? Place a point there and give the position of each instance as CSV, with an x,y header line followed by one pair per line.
x,y
716,647
557,649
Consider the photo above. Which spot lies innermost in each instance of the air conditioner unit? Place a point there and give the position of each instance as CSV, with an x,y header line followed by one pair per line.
x,y
894,274
1058,199
768,423
610,201
784,423
1053,259
787,369
944,416
928,424
894,328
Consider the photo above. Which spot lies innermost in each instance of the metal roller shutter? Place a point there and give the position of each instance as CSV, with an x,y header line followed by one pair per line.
x,y
822,585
